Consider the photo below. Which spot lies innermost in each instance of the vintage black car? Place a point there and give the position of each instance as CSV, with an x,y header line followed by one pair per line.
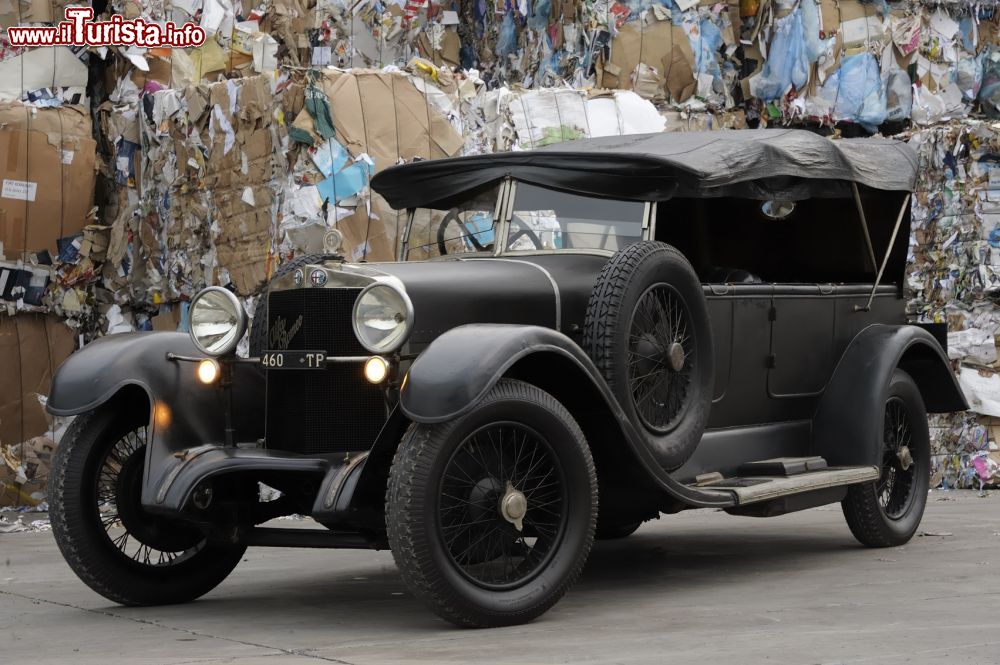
x,y
574,340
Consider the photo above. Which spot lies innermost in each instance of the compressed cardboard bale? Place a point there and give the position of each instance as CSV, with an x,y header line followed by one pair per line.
x,y
661,47
384,116
47,176
365,237
32,346
47,67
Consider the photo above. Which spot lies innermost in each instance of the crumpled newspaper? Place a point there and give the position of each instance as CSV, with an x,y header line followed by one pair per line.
x,y
19,525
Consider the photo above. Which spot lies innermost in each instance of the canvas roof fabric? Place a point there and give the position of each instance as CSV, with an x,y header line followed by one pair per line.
x,y
761,164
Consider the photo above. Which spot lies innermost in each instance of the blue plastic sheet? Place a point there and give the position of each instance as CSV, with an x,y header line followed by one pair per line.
x,y
346,183
330,157
538,17
794,47
507,40
856,91
706,48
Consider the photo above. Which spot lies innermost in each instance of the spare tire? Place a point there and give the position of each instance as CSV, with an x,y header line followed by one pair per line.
x,y
258,326
647,330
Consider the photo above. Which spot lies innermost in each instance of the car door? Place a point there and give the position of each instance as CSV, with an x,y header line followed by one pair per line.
x,y
803,321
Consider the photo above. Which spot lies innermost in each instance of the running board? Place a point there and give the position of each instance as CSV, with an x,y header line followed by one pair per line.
x,y
755,489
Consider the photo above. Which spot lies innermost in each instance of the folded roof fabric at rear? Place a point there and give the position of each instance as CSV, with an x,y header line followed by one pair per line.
x,y
759,164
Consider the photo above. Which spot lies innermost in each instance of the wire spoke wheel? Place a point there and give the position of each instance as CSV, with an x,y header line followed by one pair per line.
x,y
139,538
887,511
490,515
896,483
502,507
660,357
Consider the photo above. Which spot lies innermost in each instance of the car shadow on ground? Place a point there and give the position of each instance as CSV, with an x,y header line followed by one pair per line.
x,y
640,568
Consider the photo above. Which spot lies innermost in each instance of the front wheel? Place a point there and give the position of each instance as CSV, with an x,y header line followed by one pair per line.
x,y
110,542
491,516
887,511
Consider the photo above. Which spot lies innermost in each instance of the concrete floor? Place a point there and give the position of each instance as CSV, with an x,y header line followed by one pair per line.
x,y
701,587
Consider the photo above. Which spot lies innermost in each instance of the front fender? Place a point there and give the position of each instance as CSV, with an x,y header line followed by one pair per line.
x,y
93,375
449,378
847,426
460,366
184,413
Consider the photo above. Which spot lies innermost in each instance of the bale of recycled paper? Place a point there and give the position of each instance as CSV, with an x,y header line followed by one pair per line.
x,y
46,177
32,346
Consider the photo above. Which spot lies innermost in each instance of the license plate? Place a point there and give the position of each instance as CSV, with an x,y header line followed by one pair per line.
x,y
293,359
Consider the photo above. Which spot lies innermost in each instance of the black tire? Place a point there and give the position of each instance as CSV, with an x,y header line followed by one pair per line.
x,y
616,531
650,288
187,567
886,512
463,585
258,327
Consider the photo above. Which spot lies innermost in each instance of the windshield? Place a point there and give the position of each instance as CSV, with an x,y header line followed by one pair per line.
x,y
459,230
546,219
542,220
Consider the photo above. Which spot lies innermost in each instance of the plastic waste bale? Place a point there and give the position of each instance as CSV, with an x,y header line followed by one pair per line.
x,y
933,107
855,92
969,77
898,95
795,46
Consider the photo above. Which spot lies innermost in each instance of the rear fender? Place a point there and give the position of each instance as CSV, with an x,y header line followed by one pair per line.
x,y
461,366
847,426
184,413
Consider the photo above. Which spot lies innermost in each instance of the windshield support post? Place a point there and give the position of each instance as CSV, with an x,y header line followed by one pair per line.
x,y
864,225
649,221
885,259
505,209
404,243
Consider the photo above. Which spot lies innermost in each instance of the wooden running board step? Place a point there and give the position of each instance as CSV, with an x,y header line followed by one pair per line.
x,y
751,489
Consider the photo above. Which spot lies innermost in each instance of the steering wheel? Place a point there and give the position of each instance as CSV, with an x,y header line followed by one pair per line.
x,y
452,217
524,231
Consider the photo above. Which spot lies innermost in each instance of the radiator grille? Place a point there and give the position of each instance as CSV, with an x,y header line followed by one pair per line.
x,y
330,411
326,319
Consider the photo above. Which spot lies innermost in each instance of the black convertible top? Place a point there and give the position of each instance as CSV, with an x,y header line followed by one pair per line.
x,y
789,164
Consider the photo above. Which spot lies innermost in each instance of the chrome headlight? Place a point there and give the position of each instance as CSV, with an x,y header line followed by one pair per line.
x,y
383,317
217,321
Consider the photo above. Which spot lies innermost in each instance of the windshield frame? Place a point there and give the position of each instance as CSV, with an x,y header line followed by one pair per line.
x,y
503,212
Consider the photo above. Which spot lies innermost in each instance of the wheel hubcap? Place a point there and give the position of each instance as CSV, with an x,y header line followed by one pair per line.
x,y
675,356
513,507
905,458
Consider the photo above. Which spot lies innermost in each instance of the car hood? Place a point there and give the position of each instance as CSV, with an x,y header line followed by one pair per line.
x,y
550,291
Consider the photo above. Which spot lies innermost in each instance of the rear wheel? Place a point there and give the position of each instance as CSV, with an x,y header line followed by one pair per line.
x,y
114,546
887,511
490,516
